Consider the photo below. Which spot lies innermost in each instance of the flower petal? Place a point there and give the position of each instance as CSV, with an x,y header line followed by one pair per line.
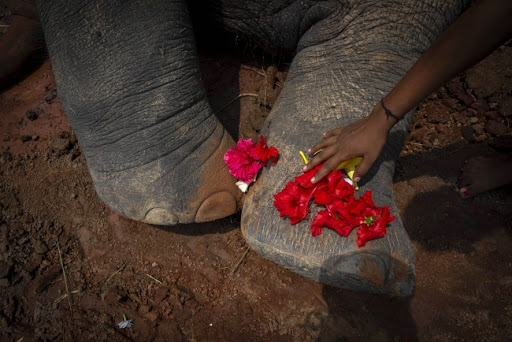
x,y
264,153
292,202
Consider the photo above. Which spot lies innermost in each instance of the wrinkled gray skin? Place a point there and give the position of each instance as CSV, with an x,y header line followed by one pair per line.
x,y
129,80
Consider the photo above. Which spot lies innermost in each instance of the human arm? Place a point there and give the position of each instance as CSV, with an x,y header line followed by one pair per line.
x,y
477,32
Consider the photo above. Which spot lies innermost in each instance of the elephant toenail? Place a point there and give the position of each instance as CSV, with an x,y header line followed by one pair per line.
x,y
160,216
216,206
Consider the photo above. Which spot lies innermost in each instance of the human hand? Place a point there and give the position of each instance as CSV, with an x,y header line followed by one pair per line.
x,y
364,138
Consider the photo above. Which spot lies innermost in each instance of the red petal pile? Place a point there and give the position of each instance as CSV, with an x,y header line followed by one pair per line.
x,y
246,159
343,211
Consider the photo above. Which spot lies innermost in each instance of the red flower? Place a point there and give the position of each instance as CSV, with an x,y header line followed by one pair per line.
x,y
330,220
316,226
374,226
246,159
336,188
356,208
264,152
343,212
366,199
304,180
293,201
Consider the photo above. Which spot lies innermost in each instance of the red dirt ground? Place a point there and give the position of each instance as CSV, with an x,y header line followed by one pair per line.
x,y
191,282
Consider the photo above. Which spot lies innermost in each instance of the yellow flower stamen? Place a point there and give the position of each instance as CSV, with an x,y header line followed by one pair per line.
x,y
303,157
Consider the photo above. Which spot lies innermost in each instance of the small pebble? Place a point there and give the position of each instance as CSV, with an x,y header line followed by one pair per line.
x,y
473,120
31,115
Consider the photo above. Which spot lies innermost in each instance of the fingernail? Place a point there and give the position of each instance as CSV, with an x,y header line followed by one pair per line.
x,y
357,179
304,168
313,180
309,150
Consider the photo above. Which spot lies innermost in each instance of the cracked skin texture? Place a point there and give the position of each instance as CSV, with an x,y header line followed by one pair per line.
x,y
217,196
215,174
212,193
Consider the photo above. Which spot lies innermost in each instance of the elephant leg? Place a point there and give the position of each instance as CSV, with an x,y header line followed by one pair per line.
x,y
351,56
129,79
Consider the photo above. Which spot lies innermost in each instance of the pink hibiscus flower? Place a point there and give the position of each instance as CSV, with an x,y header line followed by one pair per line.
x,y
247,159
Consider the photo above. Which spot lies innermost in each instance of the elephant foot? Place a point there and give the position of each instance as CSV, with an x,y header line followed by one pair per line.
x,y
384,265
138,107
198,189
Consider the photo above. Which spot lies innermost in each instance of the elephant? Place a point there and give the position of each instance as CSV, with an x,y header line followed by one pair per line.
x,y
128,76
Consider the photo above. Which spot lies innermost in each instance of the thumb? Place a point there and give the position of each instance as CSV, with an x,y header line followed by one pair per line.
x,y
363,167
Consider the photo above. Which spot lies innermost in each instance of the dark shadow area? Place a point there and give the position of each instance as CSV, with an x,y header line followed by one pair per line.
x,y
212,35
439,218
220,79
22,45
221,55
394,138
221,226
29,66
361,316
445,162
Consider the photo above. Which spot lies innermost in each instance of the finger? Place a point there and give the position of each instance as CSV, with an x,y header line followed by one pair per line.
x,y
363,167
320,157
329,165
321,145
332,132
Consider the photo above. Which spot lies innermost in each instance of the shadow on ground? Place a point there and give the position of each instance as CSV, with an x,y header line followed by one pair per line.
x,y
462,246
436,216
221,226
358,316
